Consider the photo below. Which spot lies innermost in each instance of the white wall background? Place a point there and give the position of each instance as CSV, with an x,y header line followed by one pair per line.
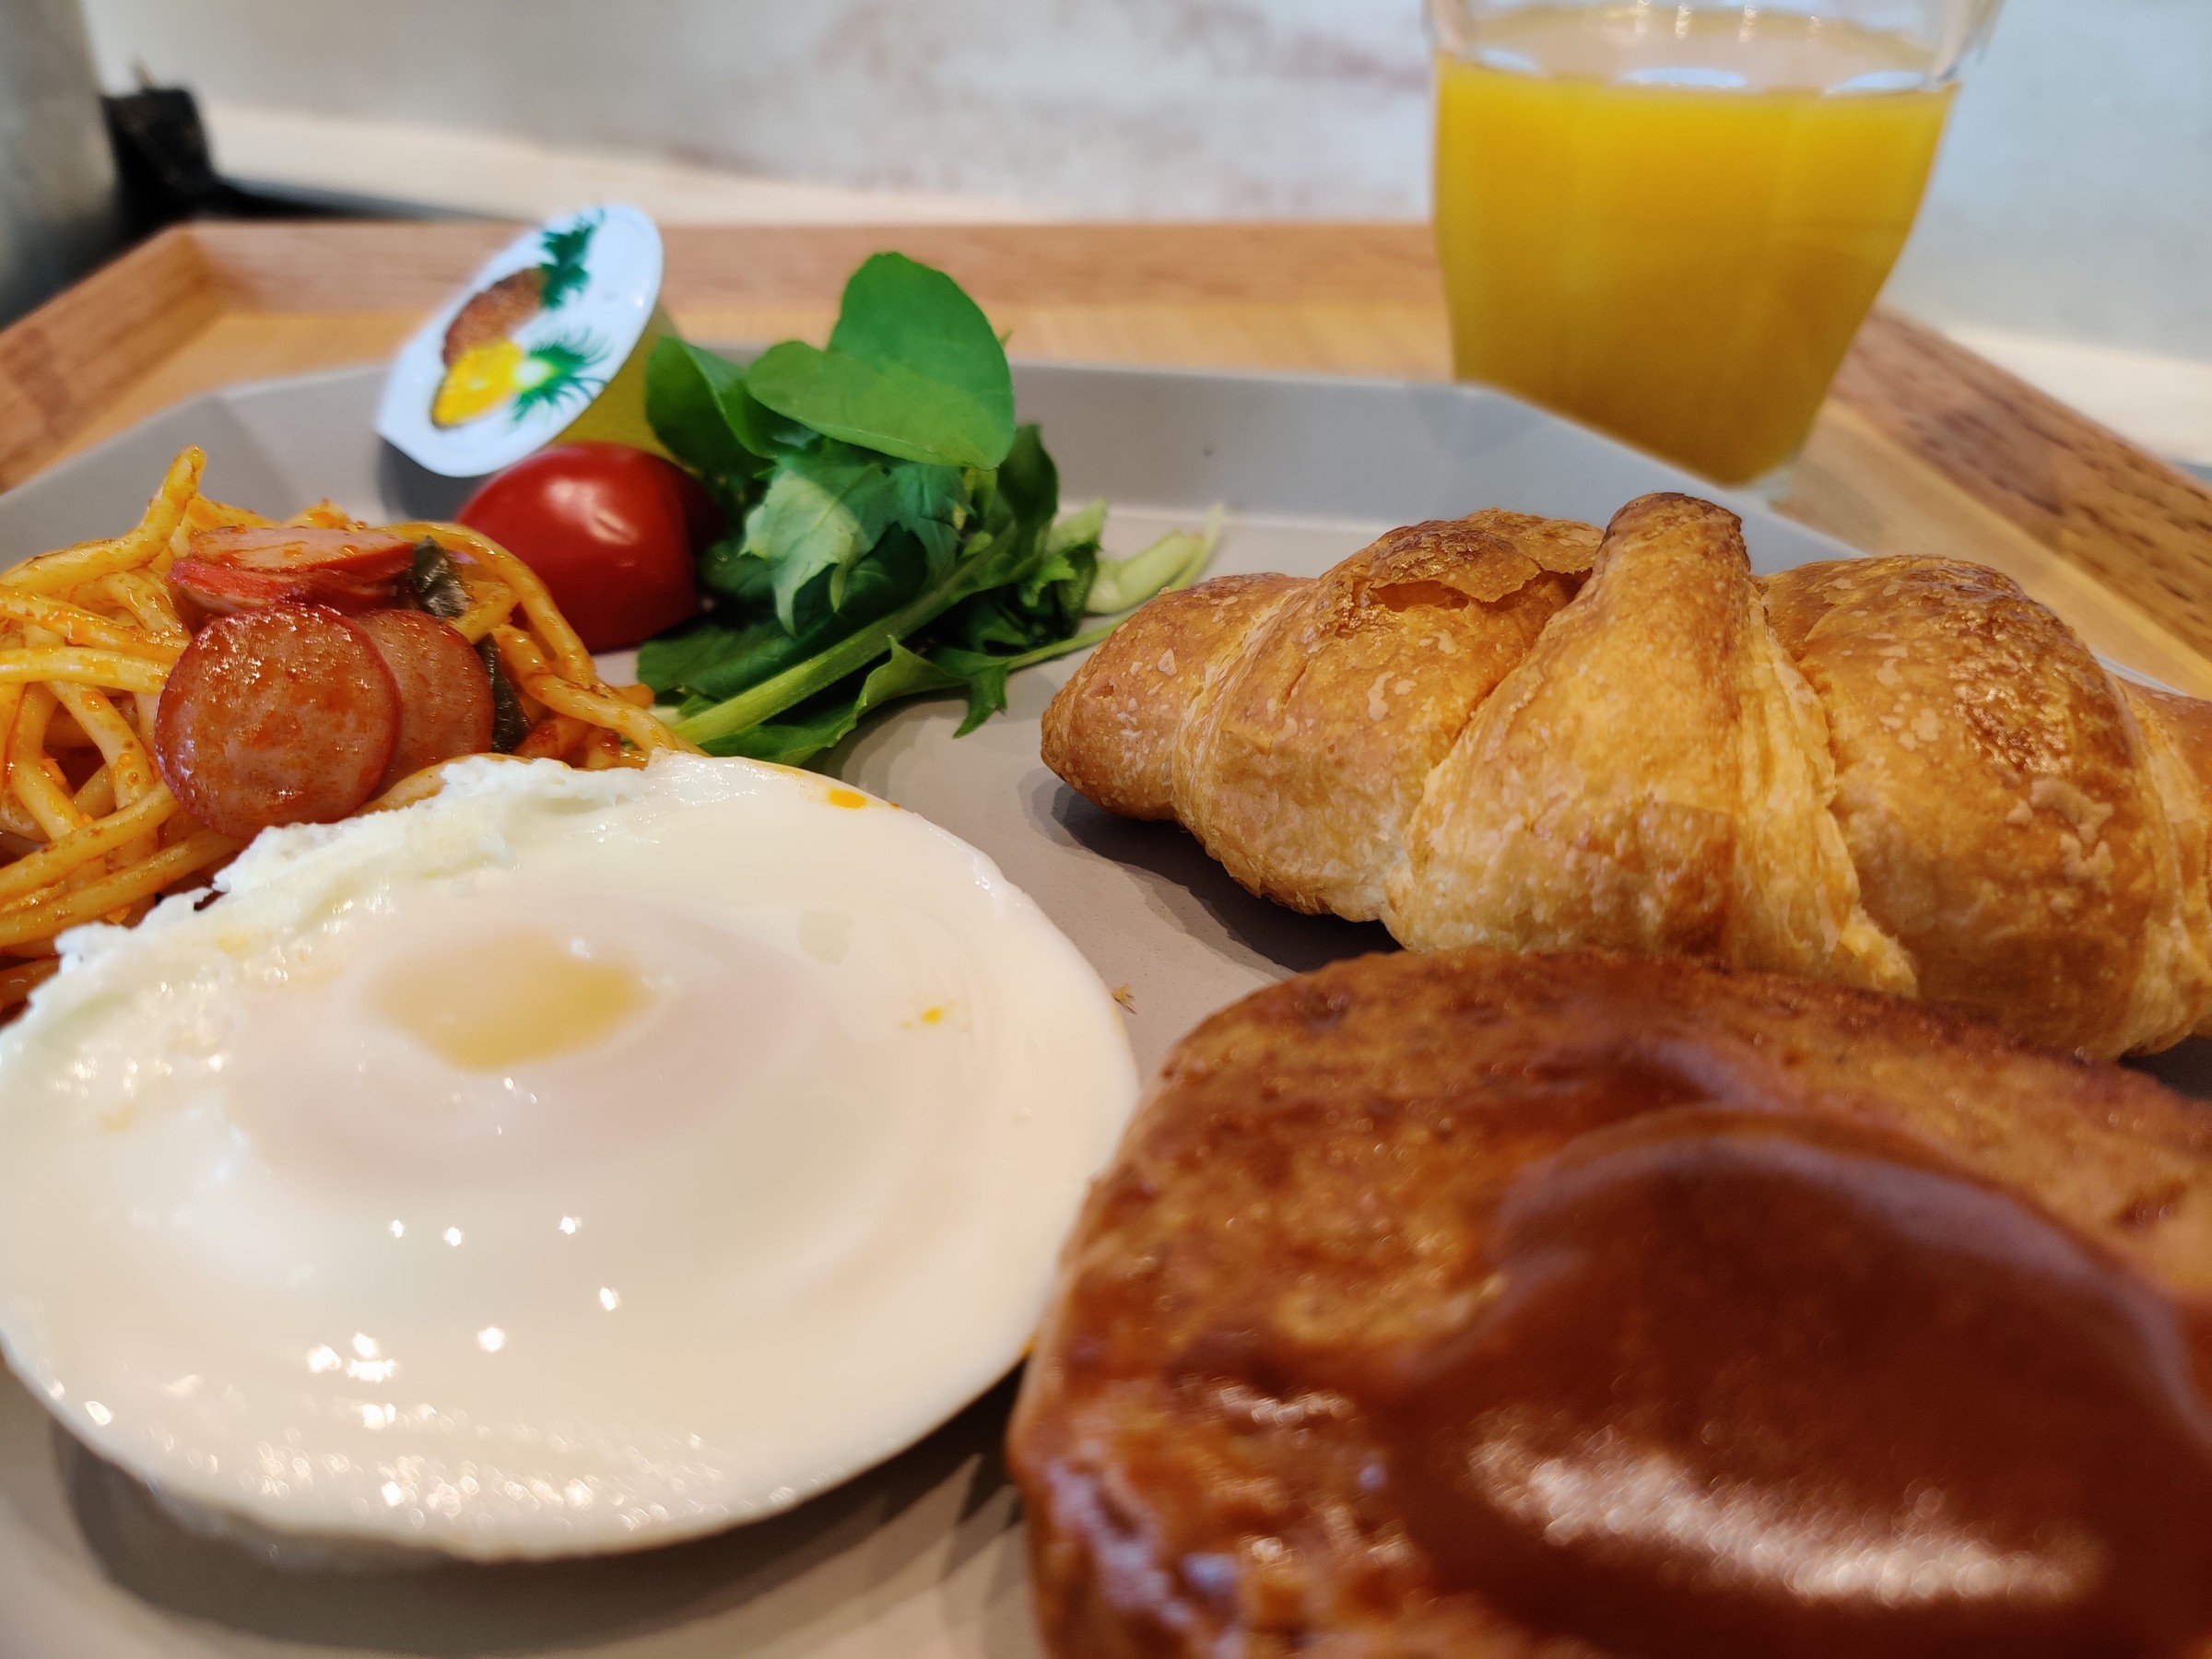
x,y
2074,197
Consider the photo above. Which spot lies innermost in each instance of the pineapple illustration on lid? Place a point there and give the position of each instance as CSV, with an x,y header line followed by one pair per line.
x,y
548,341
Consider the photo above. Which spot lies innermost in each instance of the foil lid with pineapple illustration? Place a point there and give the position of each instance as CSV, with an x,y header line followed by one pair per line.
x,y
521,356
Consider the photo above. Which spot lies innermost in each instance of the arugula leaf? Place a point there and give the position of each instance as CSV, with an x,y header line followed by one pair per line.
x,y
827,507
989,563
913,370
1085,525
932,501
794,742
737,678
821,513
843,649
699,657
985,674
982,675
1047,604
1057,593
827,720
1173,561
724,570
894,532
720,655
1016,508
1028,480
703,415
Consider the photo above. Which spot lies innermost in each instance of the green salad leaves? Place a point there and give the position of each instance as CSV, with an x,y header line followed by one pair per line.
x,y
913,370
892,531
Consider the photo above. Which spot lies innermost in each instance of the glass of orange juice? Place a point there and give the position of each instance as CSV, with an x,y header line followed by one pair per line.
x,y
1668,221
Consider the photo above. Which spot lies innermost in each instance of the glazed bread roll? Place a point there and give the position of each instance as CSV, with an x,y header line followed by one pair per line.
x,y
1485,1304
1896,773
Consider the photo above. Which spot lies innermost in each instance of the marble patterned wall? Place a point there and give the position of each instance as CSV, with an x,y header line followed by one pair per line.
x,y
2074,198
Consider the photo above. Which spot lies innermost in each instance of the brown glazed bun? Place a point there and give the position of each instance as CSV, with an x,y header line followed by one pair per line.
x,y
1474,1303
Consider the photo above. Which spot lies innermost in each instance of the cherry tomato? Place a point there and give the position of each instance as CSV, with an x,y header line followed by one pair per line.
x,y
611,531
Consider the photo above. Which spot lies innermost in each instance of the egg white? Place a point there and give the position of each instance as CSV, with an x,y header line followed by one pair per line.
x,y
273,1252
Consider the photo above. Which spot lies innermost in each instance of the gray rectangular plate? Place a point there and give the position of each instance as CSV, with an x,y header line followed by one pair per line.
x,y
921,1556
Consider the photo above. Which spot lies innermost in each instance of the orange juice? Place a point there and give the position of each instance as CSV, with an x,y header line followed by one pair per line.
x,y
1670,223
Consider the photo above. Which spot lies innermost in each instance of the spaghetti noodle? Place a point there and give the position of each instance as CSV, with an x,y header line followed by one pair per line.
x,y
89,829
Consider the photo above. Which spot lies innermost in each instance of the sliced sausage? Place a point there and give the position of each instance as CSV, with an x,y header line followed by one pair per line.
x,y
378,555
444,694
222,589
226,570
280,716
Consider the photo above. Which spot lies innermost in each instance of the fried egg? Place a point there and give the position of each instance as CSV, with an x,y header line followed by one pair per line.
x,y
574,1161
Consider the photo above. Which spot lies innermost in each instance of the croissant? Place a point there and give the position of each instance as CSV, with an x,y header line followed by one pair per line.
x,y
1898,773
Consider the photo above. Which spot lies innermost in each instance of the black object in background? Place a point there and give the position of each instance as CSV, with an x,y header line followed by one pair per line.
x,y
161,159
166,173
57,179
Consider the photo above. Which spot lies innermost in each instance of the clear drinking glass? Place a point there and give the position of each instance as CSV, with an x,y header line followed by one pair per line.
x,y
1669,221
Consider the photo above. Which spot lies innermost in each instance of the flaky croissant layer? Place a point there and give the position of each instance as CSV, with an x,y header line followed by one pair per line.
x,y
1900,773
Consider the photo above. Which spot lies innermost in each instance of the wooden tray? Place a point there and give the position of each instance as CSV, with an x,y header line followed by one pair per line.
x,y
1922,448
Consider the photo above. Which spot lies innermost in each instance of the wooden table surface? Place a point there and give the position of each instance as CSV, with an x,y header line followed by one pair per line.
x,y
1921,448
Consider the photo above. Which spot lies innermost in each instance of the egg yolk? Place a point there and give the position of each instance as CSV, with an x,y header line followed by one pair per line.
x,y
510,999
